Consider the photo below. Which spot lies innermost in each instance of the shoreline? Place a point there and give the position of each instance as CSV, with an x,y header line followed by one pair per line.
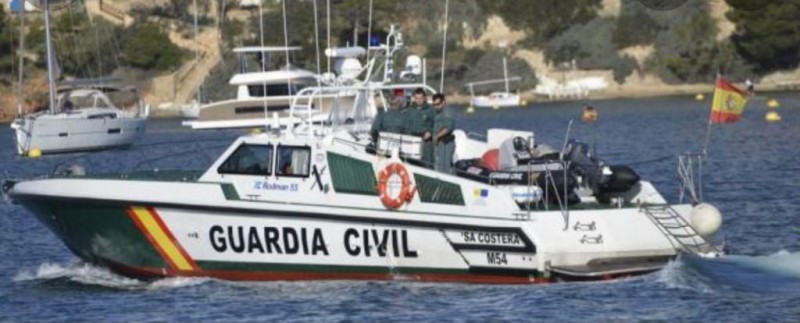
x,y
614,92
633,92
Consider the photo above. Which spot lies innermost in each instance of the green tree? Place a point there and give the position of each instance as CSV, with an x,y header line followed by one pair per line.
x,y
148,47
590,47
687,49
543,19
767,32
6,43
85,48
634,28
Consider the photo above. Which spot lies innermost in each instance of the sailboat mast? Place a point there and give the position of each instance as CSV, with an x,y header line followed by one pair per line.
x,y
51,82
196,49
505,73
444,43
21,54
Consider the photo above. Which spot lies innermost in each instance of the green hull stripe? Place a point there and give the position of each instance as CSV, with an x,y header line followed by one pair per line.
x,y
230,192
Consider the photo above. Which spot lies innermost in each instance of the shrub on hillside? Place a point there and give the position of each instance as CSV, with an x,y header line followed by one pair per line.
x,y
84,48
543,20
634,28
148,47
589,46
687,49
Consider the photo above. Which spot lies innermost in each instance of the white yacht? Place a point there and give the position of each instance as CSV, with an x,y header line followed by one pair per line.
x,y
81,118
84,119
259,94
568,89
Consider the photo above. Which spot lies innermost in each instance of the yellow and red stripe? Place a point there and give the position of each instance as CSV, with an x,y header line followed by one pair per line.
x,y
151,225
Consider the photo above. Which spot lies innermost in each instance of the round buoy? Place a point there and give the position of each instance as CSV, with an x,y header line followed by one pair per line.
x,y
772,116
700,97
470,110
255,131
773,103
496,107
523,103
706,219
35,153
589,114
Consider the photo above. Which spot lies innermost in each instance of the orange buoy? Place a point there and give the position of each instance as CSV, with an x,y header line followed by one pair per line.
x,y
589,114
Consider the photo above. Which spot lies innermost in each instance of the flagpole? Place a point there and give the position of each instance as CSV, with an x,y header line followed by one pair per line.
x,y
708,138
704,152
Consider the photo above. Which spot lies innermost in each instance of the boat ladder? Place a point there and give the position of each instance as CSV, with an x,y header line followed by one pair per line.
x,y
680,233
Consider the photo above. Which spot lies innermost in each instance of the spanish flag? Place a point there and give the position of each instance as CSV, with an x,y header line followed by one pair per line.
x,y
729,102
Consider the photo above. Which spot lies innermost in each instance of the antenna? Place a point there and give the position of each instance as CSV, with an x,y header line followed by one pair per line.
x,y
444,43
328,20
196,49
316,37
21,94
505,73
369,30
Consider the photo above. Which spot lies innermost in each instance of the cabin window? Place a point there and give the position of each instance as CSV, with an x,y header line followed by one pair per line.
x,y
259,110
103,116
293,161
249,160
257,90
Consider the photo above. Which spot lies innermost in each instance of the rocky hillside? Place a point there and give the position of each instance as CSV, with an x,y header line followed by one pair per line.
x,y
634,47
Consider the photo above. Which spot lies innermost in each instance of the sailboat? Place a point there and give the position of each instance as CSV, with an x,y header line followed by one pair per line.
x,y
496,99
80,117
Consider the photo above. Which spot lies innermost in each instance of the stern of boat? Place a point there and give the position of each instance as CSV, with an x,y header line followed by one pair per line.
x,y
22,138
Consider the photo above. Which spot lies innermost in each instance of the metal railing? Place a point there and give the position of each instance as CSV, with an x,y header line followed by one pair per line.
x,y
690,175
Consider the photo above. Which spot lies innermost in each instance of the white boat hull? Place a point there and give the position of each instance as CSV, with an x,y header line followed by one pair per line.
x,y
59,135
224,231
507,100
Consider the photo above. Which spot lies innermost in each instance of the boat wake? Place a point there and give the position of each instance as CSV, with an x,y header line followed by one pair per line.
x,y
90,275
779,272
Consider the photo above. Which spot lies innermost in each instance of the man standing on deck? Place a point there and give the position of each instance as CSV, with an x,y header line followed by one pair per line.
x,y
394,120
420,124
443,137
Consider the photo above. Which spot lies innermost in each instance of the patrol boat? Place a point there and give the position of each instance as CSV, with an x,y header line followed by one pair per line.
x,y
317,202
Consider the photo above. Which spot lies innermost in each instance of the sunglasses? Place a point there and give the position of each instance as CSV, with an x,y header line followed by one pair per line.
x,y
438,103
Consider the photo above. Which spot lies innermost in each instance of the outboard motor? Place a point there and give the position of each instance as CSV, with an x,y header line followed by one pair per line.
x,y
514,152
603,180
584,165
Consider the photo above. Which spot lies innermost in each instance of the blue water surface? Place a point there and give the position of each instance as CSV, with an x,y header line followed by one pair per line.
x,y
752,175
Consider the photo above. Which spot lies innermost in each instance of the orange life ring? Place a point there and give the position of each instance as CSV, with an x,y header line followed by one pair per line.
x,y
407,191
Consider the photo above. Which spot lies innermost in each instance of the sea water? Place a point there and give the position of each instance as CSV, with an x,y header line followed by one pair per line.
x,y
752,175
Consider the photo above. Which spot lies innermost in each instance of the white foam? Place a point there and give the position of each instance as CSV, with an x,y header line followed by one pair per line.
x,y
782,263
93,275
674,275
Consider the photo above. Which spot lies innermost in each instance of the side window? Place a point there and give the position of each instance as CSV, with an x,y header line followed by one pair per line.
x,y
293,161
249,160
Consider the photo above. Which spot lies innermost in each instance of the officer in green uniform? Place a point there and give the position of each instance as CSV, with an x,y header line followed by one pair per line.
x,y
443,138
420,123
394,120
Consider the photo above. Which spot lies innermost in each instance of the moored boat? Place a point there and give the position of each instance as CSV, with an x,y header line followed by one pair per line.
x,y
316,202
